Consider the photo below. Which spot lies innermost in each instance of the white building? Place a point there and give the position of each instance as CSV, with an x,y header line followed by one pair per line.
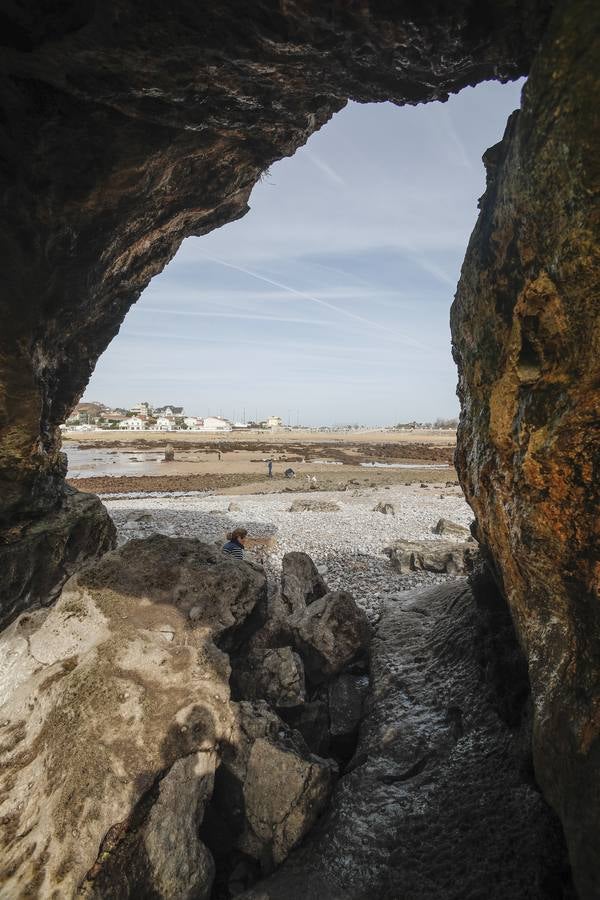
x,y
215,423
133,424
274,423
164,424
143,409
193,423
169,411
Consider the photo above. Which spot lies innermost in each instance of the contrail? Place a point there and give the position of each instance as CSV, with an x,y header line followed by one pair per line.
x,y
319,302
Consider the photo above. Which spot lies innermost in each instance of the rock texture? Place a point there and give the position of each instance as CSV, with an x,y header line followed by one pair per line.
x,y
37,558
445,526
526,335
440,801
301,582
275,674
386,508
314,506
331,634
114,707
452,557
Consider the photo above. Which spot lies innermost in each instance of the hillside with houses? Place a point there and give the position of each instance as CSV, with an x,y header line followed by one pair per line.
x,y
92,416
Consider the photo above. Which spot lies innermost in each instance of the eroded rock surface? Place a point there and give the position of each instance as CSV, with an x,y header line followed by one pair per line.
x,y
330,634
301,582
113,696
37,558
526,334
439,801
275,674
452,557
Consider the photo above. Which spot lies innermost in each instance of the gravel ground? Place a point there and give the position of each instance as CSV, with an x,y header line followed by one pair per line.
x,y
346,544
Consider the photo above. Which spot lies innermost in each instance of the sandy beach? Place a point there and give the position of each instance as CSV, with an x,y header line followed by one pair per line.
x,y
113,462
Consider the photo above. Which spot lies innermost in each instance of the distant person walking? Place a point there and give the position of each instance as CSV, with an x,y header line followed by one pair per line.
x,y
270,467
235,542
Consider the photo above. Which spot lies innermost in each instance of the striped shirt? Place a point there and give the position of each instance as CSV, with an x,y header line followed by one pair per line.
x,y
234,549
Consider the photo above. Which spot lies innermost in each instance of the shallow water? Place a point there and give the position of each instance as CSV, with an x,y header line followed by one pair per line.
x,y
86,463
382,465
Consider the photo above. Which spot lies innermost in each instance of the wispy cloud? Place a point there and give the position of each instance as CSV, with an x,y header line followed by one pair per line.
x,y
342,312
324,167
214,314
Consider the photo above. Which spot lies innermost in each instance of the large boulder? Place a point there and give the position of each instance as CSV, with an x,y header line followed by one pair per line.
x,y
301,582
269,791
114,705
37,558
330,634
451,557
274,674
446,526
386,508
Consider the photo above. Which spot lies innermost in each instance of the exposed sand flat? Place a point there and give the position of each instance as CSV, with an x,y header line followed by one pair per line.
x,y
442,438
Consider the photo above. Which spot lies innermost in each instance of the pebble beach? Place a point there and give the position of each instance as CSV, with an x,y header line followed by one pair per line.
x,y
346,543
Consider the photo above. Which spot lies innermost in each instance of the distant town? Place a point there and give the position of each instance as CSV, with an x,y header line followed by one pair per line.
x,y
93,416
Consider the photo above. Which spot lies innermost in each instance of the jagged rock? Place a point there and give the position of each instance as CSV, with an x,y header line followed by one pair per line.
x,y
386,508
275,675
234,507
451,557
169,453
35,561
441,755
123,686
269,790
312,721
329,634
524,329
346,699
301,582
445,526
313,506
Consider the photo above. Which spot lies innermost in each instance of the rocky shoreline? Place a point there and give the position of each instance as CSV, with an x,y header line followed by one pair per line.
x,y
346,543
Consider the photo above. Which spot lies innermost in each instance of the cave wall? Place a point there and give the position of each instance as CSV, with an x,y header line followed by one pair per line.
x,y
125,127
526,333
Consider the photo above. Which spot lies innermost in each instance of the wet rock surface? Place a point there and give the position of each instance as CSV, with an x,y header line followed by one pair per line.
x,y
439,800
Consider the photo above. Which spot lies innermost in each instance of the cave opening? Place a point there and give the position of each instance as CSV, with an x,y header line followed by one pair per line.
x,y
123,132
330,297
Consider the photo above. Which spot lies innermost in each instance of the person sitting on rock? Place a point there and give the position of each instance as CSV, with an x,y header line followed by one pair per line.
x,y
235,542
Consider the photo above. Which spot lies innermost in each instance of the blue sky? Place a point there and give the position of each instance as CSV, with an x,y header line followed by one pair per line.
x,y
328,302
